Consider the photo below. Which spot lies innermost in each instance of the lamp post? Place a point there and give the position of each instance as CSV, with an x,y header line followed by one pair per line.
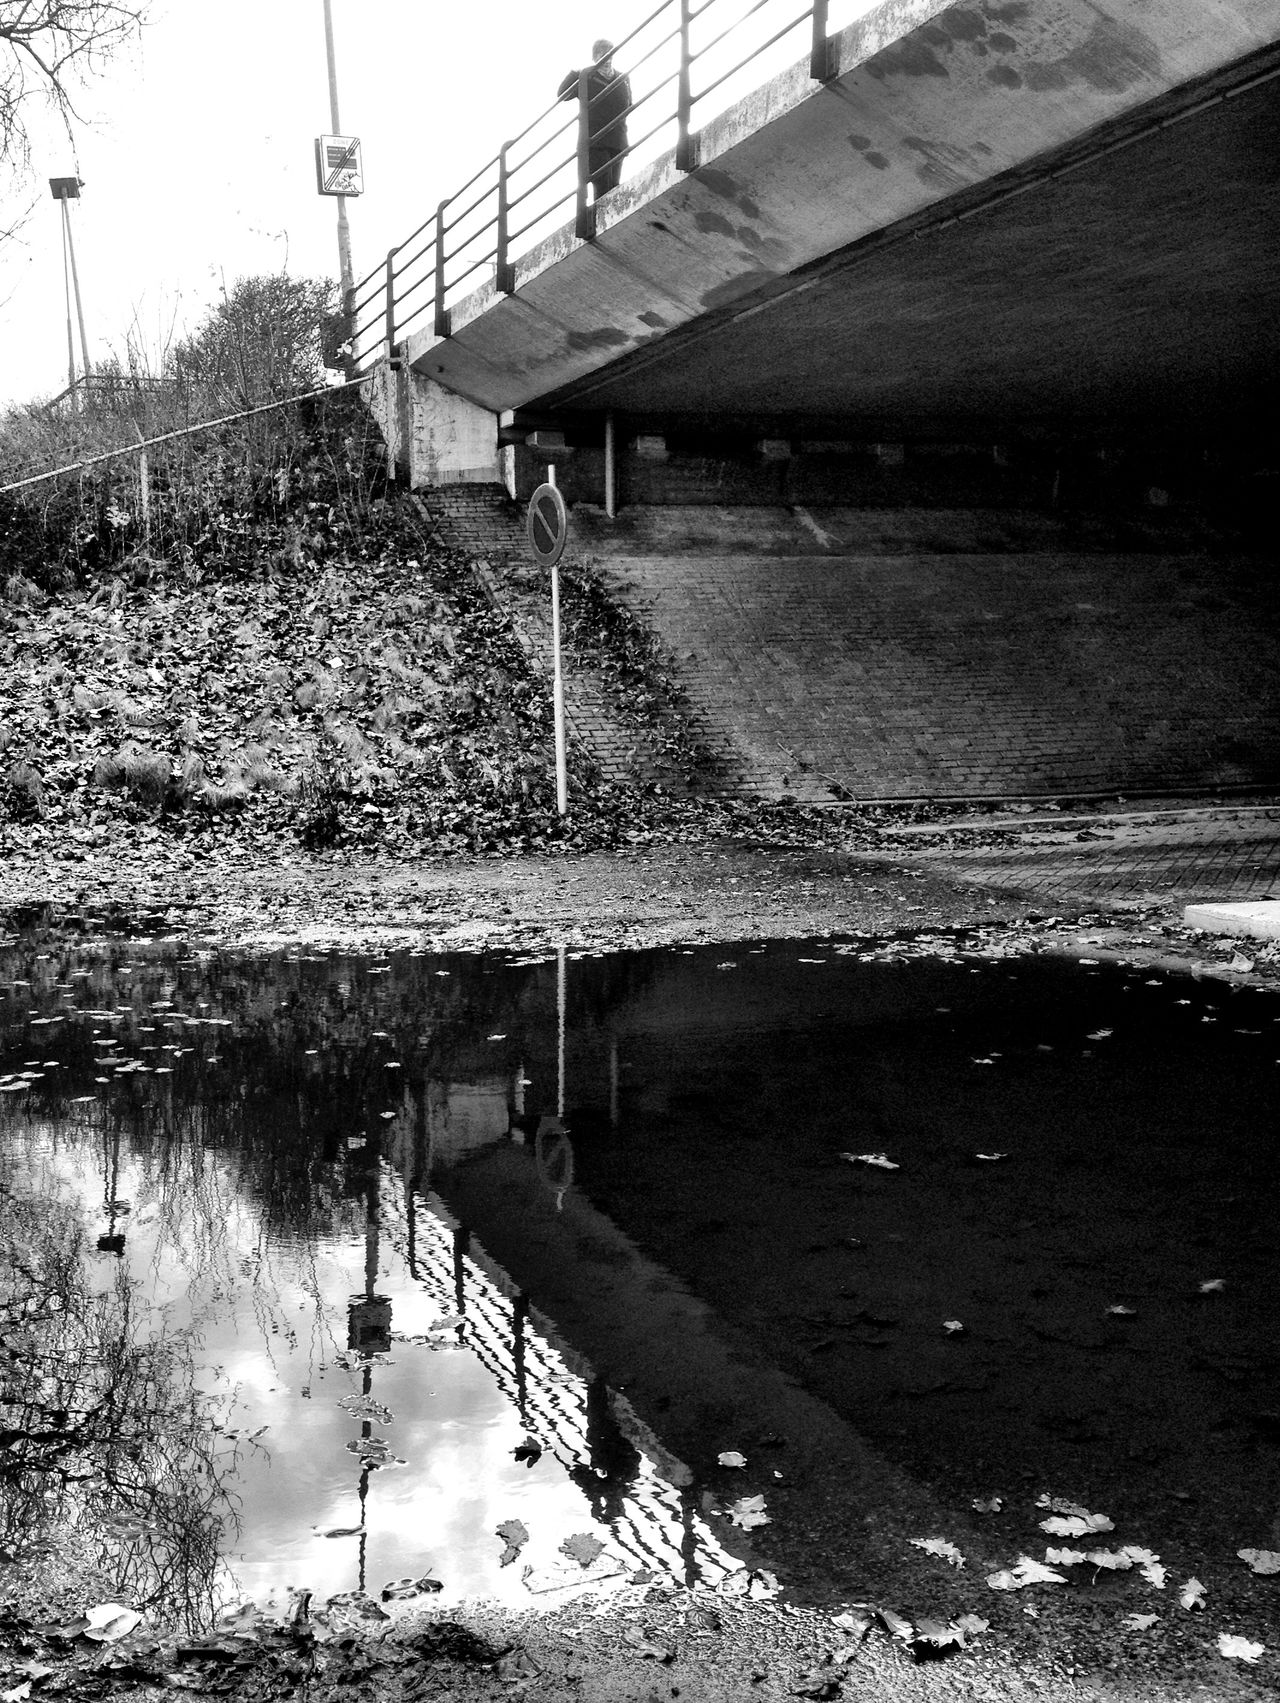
x,y
65,189
344,230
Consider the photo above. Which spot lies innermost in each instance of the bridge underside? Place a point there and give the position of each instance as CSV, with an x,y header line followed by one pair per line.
x,y
1134,292
998,216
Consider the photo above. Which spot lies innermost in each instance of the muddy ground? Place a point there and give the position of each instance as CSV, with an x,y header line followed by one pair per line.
x,y
649,1643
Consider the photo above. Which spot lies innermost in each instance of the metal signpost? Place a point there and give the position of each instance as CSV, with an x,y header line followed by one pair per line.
x,y
548,528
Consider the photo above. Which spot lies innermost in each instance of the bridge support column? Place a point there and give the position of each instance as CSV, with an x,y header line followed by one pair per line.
x,y
439,438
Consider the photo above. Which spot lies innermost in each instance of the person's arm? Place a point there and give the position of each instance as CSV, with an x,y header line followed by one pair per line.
x,y
568,88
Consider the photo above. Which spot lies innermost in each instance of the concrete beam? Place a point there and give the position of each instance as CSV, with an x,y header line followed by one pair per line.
x,y
931,102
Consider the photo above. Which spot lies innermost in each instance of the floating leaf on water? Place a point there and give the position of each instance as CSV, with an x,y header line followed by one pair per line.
x,y
1122,1312
1213,1286
514,1534
1026,1572
530,1451
1138,1622
731,1457
940,1547
582,1547
337,1531
953,1327
991,1158
1076,1525
748,1511
1192,1594
989,1505
1260,1560
1237,1649
403,1590
877,1159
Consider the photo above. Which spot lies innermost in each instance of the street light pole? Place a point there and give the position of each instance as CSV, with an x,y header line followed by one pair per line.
x,y
344,230
66,189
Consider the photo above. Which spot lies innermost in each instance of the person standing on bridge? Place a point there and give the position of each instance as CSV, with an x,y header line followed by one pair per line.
x,y
608,102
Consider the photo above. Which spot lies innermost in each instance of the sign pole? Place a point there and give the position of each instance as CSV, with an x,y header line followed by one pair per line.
x,y
548,527
344,230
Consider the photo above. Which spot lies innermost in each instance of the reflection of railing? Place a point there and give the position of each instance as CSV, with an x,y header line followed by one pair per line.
x,y
548,1385
683,63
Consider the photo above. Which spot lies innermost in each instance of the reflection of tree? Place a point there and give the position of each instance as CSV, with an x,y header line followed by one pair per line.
x,y
102,1432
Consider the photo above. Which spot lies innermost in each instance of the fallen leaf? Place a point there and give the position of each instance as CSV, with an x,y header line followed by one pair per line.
x,y
952,1326
1261,1560
646,1643
855,1621
748,1511
402,1590
1122,1311
938,1637
110,1621
1026,1572
337,1531
1138,1622
582,1547
514,1534
1057,1505
940,1547
991,1505
877,1159
1076,1525
1065,1557
820,1682
1112,1560
1213,1286
1238,1649
973,1625
1192,1594
897,1625
731,1457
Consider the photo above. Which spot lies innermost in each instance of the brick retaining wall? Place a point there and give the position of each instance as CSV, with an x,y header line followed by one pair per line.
x,y
968,653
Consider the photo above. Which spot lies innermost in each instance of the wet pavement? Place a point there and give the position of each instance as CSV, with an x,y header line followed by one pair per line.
x,y
460,1274
1159,856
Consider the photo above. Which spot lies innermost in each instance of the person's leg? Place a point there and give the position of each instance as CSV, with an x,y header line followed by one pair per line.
x,y
606,169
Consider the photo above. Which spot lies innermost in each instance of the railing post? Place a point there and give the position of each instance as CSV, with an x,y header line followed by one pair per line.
x,y
391,306
442,312
504,272
820,52
685,160
584,224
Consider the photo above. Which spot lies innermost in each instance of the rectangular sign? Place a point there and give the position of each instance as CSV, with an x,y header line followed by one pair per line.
x,y
338,167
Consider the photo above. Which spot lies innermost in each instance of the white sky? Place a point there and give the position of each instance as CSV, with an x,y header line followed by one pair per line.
x,y
198,162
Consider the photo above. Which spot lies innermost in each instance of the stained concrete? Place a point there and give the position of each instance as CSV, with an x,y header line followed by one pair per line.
x,y
772,278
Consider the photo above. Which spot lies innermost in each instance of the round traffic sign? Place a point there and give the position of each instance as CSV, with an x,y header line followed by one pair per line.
x,y
548,525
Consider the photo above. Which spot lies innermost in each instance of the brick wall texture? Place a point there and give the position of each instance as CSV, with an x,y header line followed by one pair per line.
x,y
896,654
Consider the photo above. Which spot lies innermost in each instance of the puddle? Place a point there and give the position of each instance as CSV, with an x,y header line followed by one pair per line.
x,y
458,1275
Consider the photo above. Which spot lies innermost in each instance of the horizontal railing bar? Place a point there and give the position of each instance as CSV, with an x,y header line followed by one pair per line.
x,y
674,35
733,70
399,271
567,196
730,28
478,202
662,124
555,136
560,165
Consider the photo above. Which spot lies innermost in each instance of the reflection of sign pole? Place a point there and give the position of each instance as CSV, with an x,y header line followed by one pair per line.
x,y
548,528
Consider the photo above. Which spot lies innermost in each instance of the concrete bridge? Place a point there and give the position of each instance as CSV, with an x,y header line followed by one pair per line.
x,y
945,221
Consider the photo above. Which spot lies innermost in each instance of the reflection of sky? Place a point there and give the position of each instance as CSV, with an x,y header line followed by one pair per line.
x,y
268,1321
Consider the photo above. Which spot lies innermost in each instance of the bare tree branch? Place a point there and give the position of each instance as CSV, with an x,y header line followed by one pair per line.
x,y
48,50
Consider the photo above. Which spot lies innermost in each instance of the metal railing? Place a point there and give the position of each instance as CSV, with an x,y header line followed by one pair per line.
x,y
685,63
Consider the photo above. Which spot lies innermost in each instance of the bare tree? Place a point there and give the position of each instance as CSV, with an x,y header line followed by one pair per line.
x,y
48,50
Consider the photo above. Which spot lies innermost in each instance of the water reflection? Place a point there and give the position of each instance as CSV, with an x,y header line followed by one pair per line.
x,y
330,1272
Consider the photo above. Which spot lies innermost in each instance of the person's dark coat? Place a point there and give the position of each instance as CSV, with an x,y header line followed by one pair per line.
x,y
609,97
